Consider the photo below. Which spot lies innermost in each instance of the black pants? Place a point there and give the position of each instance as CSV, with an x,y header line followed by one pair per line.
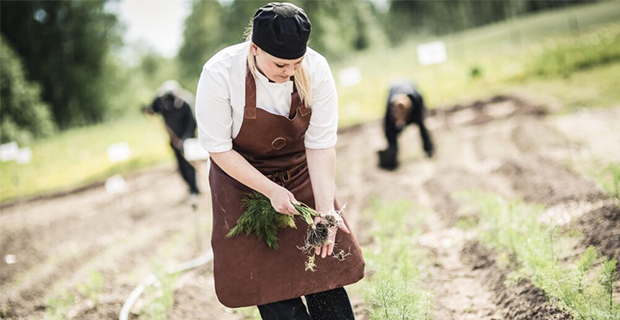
x,y
187,171
329,305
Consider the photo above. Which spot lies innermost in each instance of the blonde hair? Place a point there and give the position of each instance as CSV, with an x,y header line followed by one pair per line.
x,y
302,80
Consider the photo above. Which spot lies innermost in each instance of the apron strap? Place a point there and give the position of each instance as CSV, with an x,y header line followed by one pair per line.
x,y
250,95
296,103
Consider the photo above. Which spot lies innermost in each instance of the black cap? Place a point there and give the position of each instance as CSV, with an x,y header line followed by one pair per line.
x,y
282,30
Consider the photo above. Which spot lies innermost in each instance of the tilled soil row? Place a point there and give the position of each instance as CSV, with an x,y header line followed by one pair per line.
x,y
521,301
568,196
519,169
106,227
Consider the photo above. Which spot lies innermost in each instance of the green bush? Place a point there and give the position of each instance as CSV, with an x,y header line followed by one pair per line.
x,y
24,116
565,56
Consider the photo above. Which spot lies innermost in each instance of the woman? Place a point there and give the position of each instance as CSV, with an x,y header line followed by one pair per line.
x,y
267,114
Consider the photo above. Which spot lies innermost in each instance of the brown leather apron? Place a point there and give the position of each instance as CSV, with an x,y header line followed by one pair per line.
x,y
246,271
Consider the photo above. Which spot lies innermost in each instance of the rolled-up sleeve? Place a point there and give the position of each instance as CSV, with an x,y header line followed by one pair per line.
x,y
213,111
322,132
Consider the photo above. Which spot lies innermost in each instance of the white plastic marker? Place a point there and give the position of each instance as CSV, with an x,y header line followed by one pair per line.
x,y
115,184
10,259
8,151
432,53
193,151
24,156
350,76
119,152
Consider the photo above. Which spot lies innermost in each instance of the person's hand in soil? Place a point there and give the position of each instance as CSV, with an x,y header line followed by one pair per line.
x,y
328,249
282,200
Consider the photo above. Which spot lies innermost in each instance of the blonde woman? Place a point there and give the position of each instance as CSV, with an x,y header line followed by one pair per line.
x,y
267,114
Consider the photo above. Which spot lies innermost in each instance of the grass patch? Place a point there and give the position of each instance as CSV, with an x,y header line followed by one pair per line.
x,y
608,177
160,296
611,179
565,56
92,288
391,290
605,174
59,307
595,87
79,156
584,287
249,313
62,306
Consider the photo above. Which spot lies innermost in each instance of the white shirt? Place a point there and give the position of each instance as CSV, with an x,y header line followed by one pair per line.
x,y
220,99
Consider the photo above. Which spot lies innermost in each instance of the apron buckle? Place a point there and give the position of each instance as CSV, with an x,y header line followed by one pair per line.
x,y
283,176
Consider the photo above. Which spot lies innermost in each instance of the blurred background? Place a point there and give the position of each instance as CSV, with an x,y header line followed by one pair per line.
x,y
89,195
76,72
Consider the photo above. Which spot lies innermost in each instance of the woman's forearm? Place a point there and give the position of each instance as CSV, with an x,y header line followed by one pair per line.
x,y
321,165
241,170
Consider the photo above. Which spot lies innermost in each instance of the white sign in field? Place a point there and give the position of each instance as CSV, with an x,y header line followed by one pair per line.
x,y
350,76
432,53
8,151
119,152
24,156
193,151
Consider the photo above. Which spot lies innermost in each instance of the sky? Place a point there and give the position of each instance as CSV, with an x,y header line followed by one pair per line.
x,y
158,23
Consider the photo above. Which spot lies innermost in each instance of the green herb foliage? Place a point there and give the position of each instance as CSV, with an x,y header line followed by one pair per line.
x,y
263,220
393,291
585,287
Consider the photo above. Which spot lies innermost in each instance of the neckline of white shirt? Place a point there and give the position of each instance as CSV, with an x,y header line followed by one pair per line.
x,y
266,81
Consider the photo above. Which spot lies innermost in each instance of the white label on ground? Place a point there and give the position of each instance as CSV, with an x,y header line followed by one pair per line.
x,y
115,184
10,259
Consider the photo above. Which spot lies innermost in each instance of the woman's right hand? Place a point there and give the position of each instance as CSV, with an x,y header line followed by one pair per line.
x,y
282,200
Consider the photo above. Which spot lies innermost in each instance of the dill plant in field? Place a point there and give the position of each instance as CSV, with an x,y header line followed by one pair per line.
x,y
611,183
392,288
585,288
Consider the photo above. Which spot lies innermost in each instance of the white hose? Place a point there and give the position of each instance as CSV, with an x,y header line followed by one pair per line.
x,y
151,279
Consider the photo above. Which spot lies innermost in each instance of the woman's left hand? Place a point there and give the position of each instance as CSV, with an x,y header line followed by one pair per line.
x,y
328,249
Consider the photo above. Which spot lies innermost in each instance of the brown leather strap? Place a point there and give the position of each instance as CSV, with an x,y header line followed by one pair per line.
x,y
285,175
250,95
297,103
294,102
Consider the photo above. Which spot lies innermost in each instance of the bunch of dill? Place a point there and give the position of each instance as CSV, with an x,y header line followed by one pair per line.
x,y
262,219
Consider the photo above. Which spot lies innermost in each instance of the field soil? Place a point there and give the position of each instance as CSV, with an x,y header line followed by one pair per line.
x,y
97,246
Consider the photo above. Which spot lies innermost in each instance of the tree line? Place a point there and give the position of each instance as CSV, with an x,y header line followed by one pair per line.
x,y
60,69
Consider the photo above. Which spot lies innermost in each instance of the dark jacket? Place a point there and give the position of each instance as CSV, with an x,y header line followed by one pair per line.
x,y
177,114
415,116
